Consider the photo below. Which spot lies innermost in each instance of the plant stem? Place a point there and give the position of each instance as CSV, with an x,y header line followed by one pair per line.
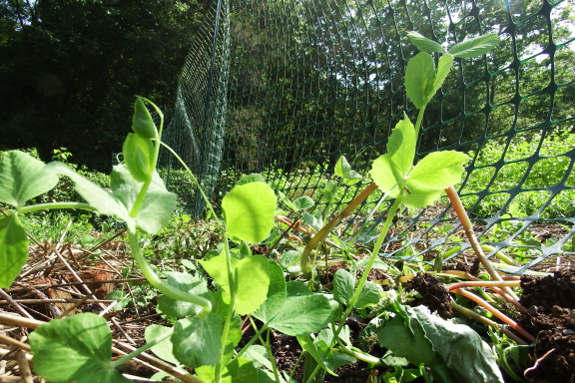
x,y
155,281
140,350
486,321
230,313
253,339
497,313
468,228
373,256
334,222
363,279
197,184
419,120
56,205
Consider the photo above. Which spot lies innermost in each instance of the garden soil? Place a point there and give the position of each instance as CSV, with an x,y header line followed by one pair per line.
x,y
551,319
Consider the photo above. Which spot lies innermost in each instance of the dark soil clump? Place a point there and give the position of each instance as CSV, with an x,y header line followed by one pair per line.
x,y
551,319
434,294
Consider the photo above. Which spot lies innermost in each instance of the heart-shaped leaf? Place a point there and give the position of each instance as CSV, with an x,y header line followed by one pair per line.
x,y
419,79
71,348
197,340
249,211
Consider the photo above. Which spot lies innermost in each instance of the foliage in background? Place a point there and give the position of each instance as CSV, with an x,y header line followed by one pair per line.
x,y
71,68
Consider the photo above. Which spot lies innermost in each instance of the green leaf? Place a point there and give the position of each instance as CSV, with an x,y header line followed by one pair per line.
x,y
164,349
468,358
329,191
252,280
343,286
13,249
103,201
185,282
239,370
387,170
71,348
276,295
419,79
158,206
249,212
23,177
138,156
443,68
303,313
303,203
197,340
433,174
424,44
142,121
439,170
369,295
342,167
319,350
474,47
408,342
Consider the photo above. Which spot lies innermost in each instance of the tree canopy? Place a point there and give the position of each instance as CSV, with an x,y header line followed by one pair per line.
x,y
69,70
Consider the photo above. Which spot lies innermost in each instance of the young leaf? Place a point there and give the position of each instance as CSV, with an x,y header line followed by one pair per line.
x,y
71,348
98,198
369,295
23,177
436,172
322,354
13,249
142,121
188,283
342,167
419,79
474,47
303,203
390,168
138,154
249,212
424,44
239,370
252,282
164,349
158,206
197,340
276,295
343,286
443,68
303,312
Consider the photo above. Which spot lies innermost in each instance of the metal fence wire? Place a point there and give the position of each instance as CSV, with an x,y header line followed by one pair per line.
x,y
286,87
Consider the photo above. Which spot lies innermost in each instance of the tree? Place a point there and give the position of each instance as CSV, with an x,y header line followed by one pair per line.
x,y
69,70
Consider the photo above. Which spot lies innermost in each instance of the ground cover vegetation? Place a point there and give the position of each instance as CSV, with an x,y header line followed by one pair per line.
x,y
227,304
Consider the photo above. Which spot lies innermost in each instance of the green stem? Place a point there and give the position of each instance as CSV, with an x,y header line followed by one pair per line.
x,y
370,262
56,205
146,185
358,354
419,120
230,313
155,281
197,184
372,258
140,350
253,339
271,355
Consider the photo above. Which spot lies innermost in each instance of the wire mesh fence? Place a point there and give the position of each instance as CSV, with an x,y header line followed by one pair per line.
x,y
286,87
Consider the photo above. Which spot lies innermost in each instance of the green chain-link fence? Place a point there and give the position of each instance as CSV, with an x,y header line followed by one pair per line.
x,y
285,87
